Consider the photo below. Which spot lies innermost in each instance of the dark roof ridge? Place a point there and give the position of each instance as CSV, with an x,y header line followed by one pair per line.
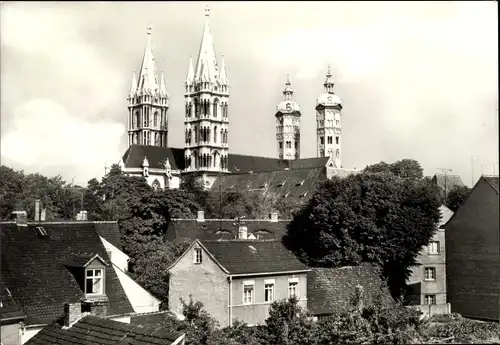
x,y
52,222
241,241
234,219
487,178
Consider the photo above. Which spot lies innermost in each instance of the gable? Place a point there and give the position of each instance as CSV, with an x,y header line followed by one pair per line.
x,y
187,260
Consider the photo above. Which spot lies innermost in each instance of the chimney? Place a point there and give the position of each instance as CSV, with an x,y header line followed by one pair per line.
x,y
273,216
72,313
42,215
242,232
201,216
37,210
96,307
20,217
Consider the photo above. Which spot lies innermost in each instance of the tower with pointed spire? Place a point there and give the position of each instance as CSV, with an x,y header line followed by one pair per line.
x,y
148,103
288,125
329,123
206,111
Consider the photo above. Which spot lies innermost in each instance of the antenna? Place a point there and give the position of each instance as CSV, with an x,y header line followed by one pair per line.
x,y
445,171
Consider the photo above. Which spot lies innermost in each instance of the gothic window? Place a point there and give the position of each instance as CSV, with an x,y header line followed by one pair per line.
x,y
157,139
209,135
322,153
196,107
137,120
195,160
280,144
296,144
330,139
288,144
225,136
155,124
215,135
337,153
195,135
337,140
216,105
189,133
145,118
156,185
205,107
321,140
322,122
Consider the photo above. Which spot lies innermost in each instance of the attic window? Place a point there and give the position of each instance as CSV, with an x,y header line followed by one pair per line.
x,y
303,195
300,183
41,231
281,184
94,281
198,256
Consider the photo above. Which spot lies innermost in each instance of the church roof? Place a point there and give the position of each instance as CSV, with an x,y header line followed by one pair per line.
x,y
156,155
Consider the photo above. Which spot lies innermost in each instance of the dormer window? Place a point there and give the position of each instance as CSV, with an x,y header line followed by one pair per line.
x,y
94,284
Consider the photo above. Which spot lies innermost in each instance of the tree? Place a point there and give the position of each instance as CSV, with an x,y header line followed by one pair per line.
x,y
405,168
368,217
456,197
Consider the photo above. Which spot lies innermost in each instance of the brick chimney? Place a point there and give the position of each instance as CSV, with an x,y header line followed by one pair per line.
x,y
96,307
20,217
201,216
72,313
273,216
37,210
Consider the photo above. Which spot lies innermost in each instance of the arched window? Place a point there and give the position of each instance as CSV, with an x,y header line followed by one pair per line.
x,y
195,135
215,135
156,185
322,153
216,159
196,107
195,160
216,105
157,139
155,119
137,122
337,153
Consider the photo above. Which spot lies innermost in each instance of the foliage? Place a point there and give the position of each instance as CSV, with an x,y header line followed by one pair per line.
x,y
368,217
464,331
456,196
405,168
18,190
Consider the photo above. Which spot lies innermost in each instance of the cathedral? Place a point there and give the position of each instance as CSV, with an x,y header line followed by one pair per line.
x,y
205,155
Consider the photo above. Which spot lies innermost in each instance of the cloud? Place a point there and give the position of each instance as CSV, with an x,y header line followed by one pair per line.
x,y
44,133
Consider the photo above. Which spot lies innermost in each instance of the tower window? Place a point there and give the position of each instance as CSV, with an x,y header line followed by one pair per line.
x,y
280,144
321,140
288,144
330,140
155,119
296,144
322,153
337,140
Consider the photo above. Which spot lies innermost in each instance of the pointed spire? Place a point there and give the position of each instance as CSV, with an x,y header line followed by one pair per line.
x,y
163,86
288,91
223,73
329,82
206,66
148,80
133,87
190,75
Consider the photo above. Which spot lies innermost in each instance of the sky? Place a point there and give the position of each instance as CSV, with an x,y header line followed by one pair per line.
x,y
418,80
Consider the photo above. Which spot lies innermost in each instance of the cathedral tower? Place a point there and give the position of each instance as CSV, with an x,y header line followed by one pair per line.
x,y
288,125
148,103
206,118
328,118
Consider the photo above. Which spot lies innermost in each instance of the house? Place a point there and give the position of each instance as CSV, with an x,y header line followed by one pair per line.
x,y
427,283
237,279
77,327
215,229
473,253
47,264
332,289
447,182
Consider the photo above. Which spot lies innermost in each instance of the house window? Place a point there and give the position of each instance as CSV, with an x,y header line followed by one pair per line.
x,y
321,140
269,290
93,281
429,299
248,287
330,140
198,256
430,273
293,287
337,140
434,248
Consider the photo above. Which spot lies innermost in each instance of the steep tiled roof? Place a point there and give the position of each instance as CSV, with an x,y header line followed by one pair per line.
x,y
296,184
242,257
493,181
448,181
110,231
214,229
92,330
446,214
134,156
152,319
35,270
331,289
9,309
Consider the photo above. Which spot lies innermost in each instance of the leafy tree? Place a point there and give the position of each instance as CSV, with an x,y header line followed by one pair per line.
x,y
405,168
368,217
456,197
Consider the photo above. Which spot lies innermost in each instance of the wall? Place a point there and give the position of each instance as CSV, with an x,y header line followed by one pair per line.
x,y
118,258
29,332
10,334
473,258
257,312
438,261
436,309
142,301
206,282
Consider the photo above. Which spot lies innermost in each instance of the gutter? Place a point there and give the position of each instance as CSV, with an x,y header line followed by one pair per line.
x,y
270,273
230,306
